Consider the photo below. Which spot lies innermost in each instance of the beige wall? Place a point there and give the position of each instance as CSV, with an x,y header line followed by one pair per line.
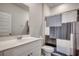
x,y
46,9
19,17
36,19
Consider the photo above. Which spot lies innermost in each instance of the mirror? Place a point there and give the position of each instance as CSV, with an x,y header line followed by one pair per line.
x,y
14,19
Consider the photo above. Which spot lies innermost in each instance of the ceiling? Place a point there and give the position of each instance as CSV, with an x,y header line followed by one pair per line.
x,y
51,5
22,6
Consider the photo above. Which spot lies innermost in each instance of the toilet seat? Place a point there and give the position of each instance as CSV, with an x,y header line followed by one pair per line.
x,y
48,49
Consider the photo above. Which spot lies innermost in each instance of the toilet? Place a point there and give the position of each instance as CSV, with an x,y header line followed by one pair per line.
x,y
47,50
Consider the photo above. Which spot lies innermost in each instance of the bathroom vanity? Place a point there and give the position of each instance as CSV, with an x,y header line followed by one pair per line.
x,y
27,46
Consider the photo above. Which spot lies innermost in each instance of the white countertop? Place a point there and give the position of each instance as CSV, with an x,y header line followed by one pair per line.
x,y
14,42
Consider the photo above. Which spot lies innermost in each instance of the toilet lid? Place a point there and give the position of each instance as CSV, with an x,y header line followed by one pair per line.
x,y
48,48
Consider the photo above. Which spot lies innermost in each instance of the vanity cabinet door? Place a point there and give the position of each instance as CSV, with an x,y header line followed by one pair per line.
x,y
36,50
17,51
70,16
1,53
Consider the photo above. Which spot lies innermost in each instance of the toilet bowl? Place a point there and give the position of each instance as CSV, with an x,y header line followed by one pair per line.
x,y
47,50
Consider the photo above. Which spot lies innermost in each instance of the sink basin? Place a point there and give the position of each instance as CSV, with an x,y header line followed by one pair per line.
x,y
19,38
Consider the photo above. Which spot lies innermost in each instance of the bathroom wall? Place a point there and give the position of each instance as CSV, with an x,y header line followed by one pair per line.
x,y
19,17
64,7
46,10
36,19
